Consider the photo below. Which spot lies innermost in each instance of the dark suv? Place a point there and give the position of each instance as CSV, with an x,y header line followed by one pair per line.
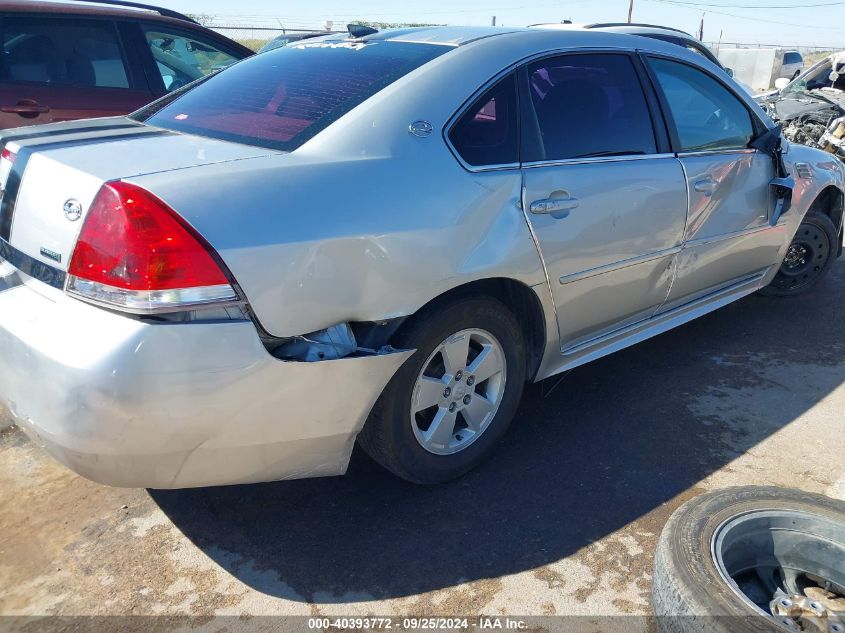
x,y
72,61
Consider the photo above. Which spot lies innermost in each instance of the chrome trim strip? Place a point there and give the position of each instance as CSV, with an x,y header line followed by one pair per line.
x,y
31,266
595,159
717,152
657,320
625,263
704,241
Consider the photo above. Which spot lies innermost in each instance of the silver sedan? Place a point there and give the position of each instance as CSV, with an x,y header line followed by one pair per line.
x,y
380,238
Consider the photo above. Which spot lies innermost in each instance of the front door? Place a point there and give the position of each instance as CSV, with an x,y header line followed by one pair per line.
x,y
728,237
607,206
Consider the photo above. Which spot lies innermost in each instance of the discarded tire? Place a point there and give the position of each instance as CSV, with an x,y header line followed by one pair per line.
x,y
752,559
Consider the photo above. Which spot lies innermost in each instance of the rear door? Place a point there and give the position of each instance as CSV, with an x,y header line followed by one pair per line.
x,y
606,199
62,68
728,237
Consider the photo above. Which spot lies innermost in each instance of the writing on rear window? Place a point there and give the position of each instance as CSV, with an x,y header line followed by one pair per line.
x,y
282,98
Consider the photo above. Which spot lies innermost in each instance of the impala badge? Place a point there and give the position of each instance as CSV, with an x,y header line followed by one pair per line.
x,y
72,209
46,252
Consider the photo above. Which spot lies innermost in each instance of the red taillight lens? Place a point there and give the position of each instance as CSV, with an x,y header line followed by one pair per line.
x,y
135,252
8,155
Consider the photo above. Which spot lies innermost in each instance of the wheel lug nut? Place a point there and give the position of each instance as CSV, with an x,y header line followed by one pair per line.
x,y
467,399
471,381
452,407
459,375
447,392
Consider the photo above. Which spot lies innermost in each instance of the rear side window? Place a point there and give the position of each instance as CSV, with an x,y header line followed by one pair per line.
x,y
62,52
487,133
588,106
282,98
707,115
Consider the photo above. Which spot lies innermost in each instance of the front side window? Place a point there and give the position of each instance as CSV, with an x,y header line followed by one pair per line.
x,y
707,115
282,98
588,106
182,57
62,52
487,133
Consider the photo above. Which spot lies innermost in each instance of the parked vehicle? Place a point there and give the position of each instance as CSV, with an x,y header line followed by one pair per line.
x,y
68,61
811,108
289,38
793,64
382,239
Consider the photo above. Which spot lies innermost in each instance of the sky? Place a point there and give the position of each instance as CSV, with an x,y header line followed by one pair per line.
x,y
793,23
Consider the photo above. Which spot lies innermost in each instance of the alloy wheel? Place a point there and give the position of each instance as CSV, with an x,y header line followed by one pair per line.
x,y
785,564
458,392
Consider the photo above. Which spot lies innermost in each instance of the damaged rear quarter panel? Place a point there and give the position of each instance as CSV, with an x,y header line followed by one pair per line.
x,y
314,242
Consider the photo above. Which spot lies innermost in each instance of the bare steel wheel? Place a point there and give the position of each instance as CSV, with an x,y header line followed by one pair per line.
x,y
453,399
458,391
808,258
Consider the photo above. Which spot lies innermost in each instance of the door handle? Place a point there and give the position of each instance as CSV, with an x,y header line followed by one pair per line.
x,y
27,109
553,205
706,186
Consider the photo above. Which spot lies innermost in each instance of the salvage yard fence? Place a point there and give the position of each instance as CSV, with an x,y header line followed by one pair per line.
x,y
257,31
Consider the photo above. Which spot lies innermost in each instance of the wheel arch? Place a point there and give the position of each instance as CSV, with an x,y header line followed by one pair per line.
x,y
831,202
518,297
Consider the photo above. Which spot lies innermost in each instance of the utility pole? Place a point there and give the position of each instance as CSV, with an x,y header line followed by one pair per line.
x,y
630,10
493,22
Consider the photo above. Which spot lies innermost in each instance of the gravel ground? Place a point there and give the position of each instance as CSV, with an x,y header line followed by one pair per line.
x,y
563,520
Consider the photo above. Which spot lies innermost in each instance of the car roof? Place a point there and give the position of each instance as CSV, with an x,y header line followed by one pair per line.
x,y
620,27
98,10
538,38
442,35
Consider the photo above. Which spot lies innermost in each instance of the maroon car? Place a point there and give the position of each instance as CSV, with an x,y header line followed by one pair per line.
x,y
73,61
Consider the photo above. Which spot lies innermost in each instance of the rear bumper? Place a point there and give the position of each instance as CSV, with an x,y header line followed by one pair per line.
x,y
134,404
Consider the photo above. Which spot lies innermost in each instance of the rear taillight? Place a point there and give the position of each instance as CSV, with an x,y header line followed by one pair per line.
x,y
7,159
135,253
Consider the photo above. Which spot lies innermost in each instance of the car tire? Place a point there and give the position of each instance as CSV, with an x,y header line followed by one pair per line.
x,y
797,72
692,591
818,240
396,436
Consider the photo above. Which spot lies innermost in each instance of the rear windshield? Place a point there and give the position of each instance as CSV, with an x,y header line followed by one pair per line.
x,y
282,98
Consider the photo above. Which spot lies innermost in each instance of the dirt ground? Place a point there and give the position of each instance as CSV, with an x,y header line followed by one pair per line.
x,y
563,519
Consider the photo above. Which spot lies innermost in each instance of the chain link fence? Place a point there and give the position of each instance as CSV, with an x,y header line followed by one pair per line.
x,y
255,37
258,34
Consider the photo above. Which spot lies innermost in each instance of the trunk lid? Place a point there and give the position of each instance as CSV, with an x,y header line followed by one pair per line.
x,y
58,169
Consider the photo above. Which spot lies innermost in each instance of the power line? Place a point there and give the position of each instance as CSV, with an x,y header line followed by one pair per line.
x,y
697,7
762,6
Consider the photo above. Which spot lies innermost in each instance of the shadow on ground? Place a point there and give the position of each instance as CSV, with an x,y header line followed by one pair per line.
x,y
612,442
